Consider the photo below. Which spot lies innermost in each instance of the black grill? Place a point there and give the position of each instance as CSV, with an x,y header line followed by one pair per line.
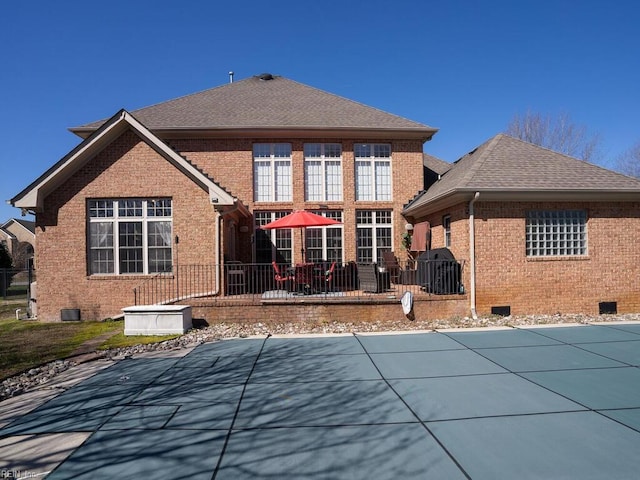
x,y
439,272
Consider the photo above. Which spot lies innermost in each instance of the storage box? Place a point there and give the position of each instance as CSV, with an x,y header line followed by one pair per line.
x,y
157,319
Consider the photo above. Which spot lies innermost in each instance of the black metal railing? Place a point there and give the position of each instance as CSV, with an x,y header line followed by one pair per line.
x,y
282,281
183,282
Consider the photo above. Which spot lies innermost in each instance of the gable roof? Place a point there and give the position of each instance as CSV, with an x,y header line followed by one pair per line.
x,y
32,197
28,225
506,168
268,103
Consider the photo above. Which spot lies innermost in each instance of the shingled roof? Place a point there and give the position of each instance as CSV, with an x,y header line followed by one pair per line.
x,y
505,168
435,164
28,225
32,198
267,102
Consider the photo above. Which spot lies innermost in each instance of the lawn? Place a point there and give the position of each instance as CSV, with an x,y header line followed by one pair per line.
x,y
25,344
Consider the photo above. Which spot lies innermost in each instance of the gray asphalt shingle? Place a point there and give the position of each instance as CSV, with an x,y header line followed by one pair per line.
x,y
275,103
505,163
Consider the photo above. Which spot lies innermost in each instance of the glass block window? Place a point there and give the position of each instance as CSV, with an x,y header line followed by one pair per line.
x,y
373,235
323,172
551,233
325,243
272,245
130,236
373,171
272,172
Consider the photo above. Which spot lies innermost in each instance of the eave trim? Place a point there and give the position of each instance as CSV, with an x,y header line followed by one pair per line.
x,y
32,197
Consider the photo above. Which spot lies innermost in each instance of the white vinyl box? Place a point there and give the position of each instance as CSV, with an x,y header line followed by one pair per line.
x,y
157,319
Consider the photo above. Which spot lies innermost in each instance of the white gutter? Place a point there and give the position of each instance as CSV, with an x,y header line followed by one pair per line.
x,y
472,256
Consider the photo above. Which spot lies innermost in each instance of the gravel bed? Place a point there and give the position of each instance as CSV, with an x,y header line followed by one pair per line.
x,y
41,375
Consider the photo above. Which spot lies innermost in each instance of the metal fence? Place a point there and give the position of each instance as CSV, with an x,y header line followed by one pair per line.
x,y
15,283
184,281
282,281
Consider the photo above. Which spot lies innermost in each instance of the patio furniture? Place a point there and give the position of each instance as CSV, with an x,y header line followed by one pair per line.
x,y
304,277
236,283
390,262
329,273
283,281
324,277
345,278
371,279
397,274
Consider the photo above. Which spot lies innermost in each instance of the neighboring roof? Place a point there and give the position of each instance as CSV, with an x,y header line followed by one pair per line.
x,y
435,164
268,102
28,225
32,197
505,168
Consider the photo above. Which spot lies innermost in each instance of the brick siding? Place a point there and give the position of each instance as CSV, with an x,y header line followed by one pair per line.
x,y
128,168
454,306
230,163
506,276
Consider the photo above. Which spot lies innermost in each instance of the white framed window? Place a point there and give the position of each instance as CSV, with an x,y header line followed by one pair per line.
x,y
446,225
272,245
325,243
323,172
373,171
373,235
552,233
130,236
272,172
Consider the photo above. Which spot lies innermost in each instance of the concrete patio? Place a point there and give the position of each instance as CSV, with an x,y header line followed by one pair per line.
x,y
536,402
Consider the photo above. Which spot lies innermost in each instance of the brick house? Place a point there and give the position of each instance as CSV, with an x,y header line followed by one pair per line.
x,y
191,180
543,232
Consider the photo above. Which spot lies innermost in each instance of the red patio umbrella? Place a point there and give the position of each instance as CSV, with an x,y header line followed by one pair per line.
x,y
300,219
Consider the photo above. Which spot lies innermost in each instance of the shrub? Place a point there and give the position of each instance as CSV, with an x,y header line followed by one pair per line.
x,y
5,262
5,258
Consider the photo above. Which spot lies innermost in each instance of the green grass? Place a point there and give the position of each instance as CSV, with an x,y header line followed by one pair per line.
x,y
25,344
28,344
15,293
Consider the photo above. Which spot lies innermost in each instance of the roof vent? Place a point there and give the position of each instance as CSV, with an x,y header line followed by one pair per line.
x,y
265,76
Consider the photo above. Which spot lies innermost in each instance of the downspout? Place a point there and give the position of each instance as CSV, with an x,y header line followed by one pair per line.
x,y
215,292
218,274
472,256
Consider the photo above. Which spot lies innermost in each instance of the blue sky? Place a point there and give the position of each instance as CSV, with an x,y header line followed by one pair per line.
x,y
466,67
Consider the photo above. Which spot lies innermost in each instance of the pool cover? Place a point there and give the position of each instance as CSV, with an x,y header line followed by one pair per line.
x,y
539,403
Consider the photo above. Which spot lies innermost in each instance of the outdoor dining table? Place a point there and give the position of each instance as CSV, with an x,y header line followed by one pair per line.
x,y
310,277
